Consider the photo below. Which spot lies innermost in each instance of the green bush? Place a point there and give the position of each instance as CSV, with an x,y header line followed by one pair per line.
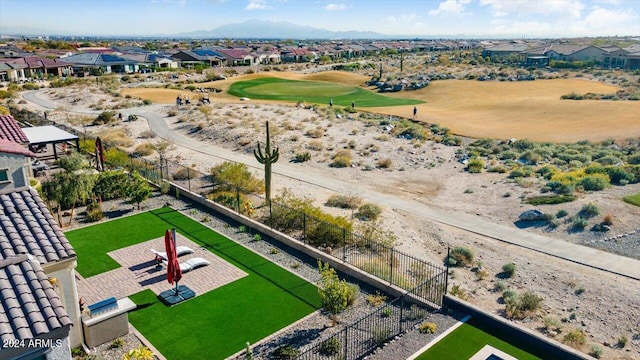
x,y
330,347
368,212
594,182
579,223
94,212
596,351
30,86
475,165
460,256
561,213
575,338
428,328
183,173
344,201
589,210
302,157
341,162
517,173
285,352
509,269
105,117
549,200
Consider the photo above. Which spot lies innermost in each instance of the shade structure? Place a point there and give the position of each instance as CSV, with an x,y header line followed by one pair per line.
x,y
174,274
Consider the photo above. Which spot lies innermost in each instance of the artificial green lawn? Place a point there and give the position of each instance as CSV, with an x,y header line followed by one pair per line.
x,y
633,199
213,325
318,92
467,340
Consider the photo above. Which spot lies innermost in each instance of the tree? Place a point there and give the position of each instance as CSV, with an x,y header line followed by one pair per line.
x,y
229,175
139,189
335,294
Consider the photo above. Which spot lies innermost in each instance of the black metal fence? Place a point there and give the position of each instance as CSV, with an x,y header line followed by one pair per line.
x,y
363,336
423,279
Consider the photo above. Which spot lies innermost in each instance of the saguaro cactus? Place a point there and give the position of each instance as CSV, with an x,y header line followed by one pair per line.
x,y
267,158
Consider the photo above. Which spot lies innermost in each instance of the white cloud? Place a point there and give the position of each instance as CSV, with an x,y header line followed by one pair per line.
x,y
601,18
451,7
501,8
257,5
335,7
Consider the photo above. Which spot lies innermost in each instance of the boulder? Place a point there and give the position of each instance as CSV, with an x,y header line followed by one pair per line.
x,y
532,215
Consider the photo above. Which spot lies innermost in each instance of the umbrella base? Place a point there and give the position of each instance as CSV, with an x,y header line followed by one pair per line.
x,y
173,297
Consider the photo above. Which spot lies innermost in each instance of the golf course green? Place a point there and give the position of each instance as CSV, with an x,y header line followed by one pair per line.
x,y
318,92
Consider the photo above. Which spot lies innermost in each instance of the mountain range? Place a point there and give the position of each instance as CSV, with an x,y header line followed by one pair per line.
x,y
262,29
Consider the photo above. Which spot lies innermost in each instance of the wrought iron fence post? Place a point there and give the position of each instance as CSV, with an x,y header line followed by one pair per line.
x,y
344,245
401,312
446,274
391,267
238,199
346,343
304,227
189,178
270,215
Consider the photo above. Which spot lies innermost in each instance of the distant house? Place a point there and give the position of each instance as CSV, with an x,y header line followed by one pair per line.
x,y
100,63
506,51
37,269
39,67
12,72
152,60
237,57
190,58
297,55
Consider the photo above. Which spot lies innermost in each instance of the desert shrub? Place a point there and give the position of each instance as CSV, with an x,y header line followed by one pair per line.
x,y
30,86
497,169
517,173
368,212
547,200
608,220
575,338
608,160
116,157
594,182
634,159
145,149
475,165
428,328
105,117
316,133
230,176
460,256
596,351
578,223
458,291
517,307
147,134
302,157
509,269
508,155
619,175
94,212
384,163
315,145
622,341
589,210
184,173
285,352
230,199
341,159
530,157
344,201
547,171
330,347
376,299
451,140
561,213
500,286
146,102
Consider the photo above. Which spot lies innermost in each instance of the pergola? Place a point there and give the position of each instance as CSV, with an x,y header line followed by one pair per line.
x,y
40,136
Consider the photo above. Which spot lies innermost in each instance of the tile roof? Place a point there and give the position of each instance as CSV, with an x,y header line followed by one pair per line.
x,y
31,306
10,147
10,130
27,227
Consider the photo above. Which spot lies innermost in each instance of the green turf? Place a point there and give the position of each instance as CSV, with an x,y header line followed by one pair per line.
x,y
216,324
633,199
318,92
467,340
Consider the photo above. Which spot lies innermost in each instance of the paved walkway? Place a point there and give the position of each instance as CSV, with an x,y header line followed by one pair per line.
x,y
555,247
138,272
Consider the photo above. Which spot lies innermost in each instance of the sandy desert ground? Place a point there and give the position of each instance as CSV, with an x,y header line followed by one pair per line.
x,y
606,306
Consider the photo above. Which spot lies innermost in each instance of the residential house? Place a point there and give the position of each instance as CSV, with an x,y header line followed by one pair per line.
x,y
191,58
152,60
100,63
12,72
39,67
37,269
297,55
237,56
511,50
614,57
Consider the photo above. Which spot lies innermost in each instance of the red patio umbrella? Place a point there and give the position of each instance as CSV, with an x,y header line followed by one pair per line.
x,y
99,155
173,266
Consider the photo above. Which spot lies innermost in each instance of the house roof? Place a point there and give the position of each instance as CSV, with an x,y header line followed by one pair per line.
x,y
96,59
240,54
36,62
27,227
10,147
10,130
32,307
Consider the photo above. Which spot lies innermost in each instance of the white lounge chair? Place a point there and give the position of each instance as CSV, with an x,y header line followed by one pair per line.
x,y
180,250
192,263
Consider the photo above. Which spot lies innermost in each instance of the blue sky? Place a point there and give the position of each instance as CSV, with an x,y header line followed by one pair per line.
x,y
511,18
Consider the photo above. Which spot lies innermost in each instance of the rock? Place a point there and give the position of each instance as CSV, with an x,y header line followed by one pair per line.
x,y
532,215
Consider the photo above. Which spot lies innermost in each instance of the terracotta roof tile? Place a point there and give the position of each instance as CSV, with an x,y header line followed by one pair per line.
x,y
31,307
11,130
27,227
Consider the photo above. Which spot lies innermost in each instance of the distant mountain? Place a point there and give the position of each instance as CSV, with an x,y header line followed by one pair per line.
x,y
260,29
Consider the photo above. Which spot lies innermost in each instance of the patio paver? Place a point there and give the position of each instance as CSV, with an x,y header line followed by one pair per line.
x,y
138,272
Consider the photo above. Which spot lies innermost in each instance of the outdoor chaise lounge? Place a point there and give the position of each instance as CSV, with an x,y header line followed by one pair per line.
x,y
192,263
180,250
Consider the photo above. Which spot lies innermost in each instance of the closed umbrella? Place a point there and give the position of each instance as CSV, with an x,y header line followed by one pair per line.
x,y
173,266
99,155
